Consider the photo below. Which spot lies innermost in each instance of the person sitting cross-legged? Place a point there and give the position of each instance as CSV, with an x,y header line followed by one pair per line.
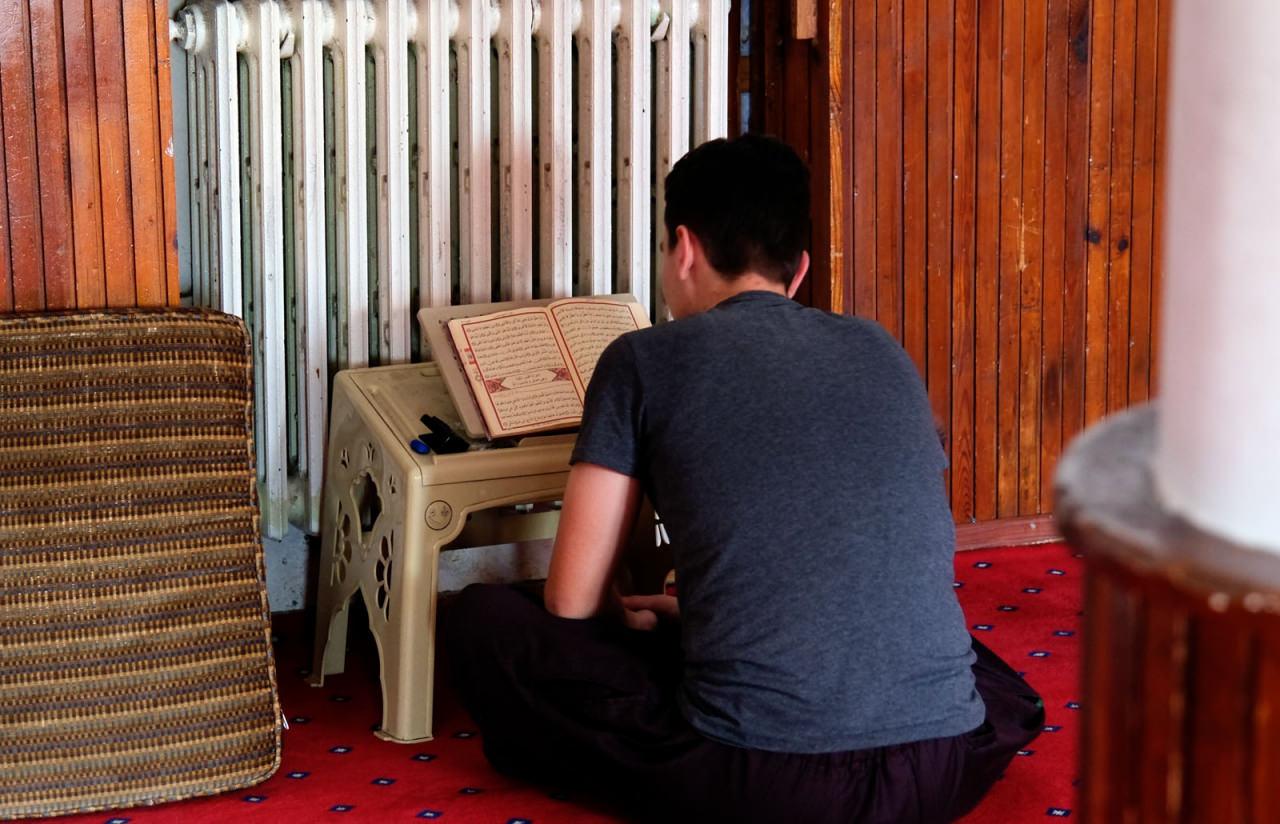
x,y
814,665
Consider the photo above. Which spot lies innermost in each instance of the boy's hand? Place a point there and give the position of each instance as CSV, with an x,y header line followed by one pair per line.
x,y
645,611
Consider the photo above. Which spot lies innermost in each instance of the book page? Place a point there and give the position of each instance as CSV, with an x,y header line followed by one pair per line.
x,y
521,379
588,326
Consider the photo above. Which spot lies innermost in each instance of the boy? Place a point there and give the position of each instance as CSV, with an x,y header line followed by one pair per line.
x,y
816,665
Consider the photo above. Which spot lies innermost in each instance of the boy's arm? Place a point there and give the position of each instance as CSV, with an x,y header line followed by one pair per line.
x,y
595,523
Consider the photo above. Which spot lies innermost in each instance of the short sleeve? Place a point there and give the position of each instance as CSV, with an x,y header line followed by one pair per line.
x,y
611,415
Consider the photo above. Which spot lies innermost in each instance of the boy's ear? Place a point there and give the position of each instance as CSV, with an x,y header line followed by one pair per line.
x,y
802,269
686,251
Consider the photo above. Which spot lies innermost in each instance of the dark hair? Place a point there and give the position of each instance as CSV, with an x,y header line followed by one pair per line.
x,y
747,201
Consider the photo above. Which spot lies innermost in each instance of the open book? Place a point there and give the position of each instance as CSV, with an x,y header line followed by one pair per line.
x,y
529,367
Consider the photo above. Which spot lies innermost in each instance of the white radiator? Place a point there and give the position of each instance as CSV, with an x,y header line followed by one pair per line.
x,y
351,161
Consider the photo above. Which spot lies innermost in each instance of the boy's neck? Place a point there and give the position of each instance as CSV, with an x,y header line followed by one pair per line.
x,y
719,289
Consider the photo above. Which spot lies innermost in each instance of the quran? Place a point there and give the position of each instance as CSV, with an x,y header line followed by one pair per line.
x,y
528,368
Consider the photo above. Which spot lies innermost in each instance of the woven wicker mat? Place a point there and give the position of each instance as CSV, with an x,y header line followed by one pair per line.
x,y
135,656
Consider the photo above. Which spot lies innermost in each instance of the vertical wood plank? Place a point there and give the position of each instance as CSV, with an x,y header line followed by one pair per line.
x,y
824,113
1055,220
1164,660
6,265
1121,197
147,187
54,166
164,88
986,295
941,82
1157,211
840,174
113,151
1265,790
1100,721
794,92
735,74
888,143
1127,686
1012,238
964,208
864,159
1144,174
916,150
1031,255
1218,772
771,101
1098,232
1076,228
86,186
21,156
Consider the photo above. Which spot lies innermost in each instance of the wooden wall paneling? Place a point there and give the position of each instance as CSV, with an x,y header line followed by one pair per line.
x,y
1031,254
938,127
82,130
913,236
1144,160
147,185
864,159
53,151
168,172
21,157
888,146
1054,222
113,151
986,292
1076,229
977,166
963,221
1102,49
1011,238
1121,198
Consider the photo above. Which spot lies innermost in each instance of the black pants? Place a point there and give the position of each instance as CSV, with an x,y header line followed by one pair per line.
x,y
590,705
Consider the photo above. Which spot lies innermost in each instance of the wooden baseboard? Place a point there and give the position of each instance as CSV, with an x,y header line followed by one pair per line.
x,y
1033,529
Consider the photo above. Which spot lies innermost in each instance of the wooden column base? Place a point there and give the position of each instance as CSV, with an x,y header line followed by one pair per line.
x,y
1182,647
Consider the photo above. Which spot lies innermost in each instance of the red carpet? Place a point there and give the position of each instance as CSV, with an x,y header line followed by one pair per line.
x,y
1024,603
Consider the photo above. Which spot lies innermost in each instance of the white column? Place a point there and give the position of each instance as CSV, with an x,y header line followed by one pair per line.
x,y
1218,458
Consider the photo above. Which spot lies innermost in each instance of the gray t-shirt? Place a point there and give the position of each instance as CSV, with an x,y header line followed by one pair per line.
x,y
792,457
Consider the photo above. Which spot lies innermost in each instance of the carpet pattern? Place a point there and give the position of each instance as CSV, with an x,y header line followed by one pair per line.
x,y
1025,603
